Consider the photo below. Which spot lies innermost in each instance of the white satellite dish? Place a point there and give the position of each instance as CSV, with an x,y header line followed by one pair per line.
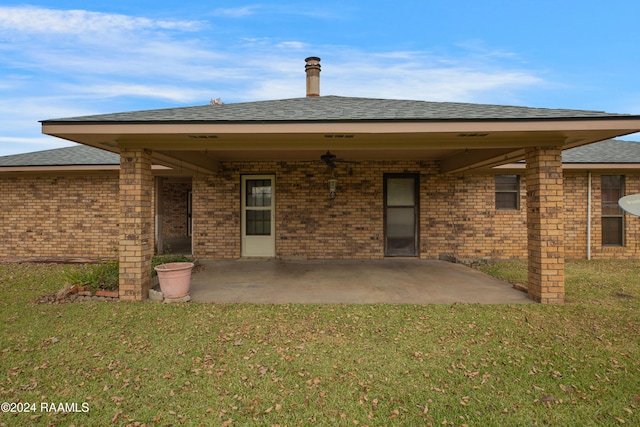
x,y
630,204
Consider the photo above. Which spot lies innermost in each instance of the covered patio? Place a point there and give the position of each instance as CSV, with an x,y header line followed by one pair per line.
x,y
219,153
387,281
234,150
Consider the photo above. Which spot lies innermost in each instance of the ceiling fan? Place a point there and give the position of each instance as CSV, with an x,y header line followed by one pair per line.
x,y
330,159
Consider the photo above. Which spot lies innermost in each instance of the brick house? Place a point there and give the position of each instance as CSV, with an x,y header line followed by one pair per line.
x,y
330,177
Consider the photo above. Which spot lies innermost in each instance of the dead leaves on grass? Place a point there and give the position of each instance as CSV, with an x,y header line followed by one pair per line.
x,y
288,367
402,368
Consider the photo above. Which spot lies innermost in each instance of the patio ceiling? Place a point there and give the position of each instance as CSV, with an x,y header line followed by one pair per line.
x,y
457,145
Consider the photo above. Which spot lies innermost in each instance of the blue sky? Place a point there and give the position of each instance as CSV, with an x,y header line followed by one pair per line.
x,y
72,58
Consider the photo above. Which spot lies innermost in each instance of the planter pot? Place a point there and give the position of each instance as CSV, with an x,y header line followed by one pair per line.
x,y
174,278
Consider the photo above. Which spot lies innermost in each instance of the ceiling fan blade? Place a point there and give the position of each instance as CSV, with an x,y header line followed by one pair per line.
x,y
330,159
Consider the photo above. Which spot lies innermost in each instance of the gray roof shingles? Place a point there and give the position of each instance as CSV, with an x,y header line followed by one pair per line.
x,y
67,156
337,108
608,151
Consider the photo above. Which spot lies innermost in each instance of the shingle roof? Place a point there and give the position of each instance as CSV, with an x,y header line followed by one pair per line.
x,y
609,151
337,108
67,156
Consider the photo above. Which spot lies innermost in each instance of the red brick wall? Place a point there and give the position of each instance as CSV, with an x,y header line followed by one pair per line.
x,y
459,219
576,185
59,216
575,213
457,213
77,216
174,208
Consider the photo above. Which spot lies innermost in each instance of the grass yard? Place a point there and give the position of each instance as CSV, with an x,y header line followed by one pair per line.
x,y
331,365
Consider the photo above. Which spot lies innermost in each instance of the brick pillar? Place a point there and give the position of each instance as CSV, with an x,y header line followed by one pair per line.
x,y
545,228
136,225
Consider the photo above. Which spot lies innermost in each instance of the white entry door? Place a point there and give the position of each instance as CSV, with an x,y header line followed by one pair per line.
x,y
258,216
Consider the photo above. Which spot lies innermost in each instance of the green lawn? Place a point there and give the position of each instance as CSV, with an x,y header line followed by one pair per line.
x,y
334,365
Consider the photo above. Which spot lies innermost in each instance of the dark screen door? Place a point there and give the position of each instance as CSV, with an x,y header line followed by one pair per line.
x,y
401,215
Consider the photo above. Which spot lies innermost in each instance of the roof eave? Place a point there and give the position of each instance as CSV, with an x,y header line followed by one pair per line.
x,y
578,166
330,121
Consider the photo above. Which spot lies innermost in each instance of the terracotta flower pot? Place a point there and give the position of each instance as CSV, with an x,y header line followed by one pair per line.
x,y
175,278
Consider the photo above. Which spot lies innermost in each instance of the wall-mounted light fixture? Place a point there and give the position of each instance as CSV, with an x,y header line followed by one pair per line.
x,y
333,185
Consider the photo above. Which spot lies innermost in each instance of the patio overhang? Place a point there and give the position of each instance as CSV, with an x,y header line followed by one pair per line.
x,y
458,137
199,147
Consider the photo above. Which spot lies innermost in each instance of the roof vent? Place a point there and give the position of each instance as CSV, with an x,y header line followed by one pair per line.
x,y
313,75
203,136
338,136
472,135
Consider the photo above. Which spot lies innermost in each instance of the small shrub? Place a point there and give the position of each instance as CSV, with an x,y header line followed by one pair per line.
x,y
104,275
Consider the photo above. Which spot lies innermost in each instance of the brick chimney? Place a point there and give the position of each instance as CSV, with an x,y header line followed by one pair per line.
x,y
313,75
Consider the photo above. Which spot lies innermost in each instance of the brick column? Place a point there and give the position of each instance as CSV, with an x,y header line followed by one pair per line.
x,y
136,226
545,228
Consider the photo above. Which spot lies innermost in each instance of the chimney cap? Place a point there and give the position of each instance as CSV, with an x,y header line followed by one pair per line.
x,y
312,58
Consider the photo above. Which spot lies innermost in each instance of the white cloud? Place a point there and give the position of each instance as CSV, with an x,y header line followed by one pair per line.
x,y
20,115
72,63
30,141
310,10
419,75
292,45
40,20
177,94
15,145
236,12
364,75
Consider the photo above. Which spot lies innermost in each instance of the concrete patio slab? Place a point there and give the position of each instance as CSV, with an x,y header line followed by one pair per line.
x,y
391,281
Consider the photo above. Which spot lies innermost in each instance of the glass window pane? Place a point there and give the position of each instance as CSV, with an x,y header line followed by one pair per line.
x,y
401,222
612,191
400,191
612,231
258,192
507,191
258,223
610,208
506,200
251,223
612,215
611,181
507,183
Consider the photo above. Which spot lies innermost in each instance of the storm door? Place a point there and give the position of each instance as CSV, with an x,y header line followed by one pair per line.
x,y
190,213
258,216
401,215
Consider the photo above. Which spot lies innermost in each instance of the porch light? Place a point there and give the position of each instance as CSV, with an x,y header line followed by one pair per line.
x,y
333,184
